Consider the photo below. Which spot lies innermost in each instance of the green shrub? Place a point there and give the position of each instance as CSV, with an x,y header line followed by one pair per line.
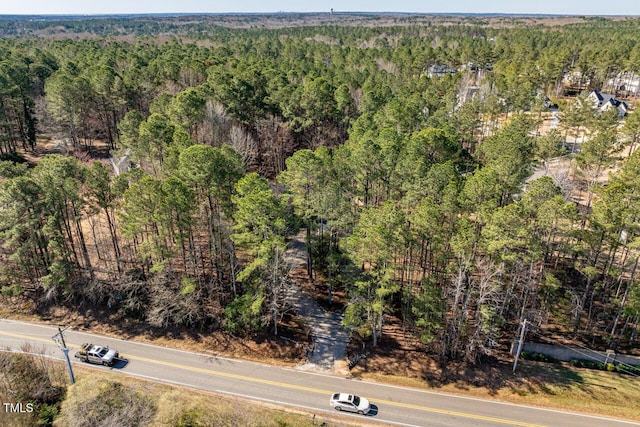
x,y
610,367
538,357
46,414
589,364
627,369
189,419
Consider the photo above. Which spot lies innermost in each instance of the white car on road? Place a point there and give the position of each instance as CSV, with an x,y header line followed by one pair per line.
x,y
350,402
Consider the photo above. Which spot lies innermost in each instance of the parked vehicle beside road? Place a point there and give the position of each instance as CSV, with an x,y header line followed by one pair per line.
x,y
97,354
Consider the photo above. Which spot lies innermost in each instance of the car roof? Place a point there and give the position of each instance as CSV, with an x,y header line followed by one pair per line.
x,y
343,396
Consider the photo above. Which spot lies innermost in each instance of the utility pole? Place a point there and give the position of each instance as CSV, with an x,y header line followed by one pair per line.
x,y
520,344
59,339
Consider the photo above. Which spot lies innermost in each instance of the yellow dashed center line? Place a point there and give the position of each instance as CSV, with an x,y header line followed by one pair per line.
x,y
229,375
299,387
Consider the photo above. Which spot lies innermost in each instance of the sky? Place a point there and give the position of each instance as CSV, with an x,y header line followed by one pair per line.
x,y
81,7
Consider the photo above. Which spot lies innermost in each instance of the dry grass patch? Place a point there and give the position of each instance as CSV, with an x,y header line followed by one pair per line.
x,y
537,384
98,398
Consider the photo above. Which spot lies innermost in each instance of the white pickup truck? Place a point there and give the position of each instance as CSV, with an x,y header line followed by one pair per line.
x,y
97,354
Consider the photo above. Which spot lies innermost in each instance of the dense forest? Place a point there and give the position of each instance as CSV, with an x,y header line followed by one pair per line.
x,y
179,164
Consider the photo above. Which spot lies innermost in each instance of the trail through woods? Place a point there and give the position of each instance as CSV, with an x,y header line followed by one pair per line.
x,y
330,338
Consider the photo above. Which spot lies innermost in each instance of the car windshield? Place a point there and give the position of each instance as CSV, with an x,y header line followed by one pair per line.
x,y
356,400
103,351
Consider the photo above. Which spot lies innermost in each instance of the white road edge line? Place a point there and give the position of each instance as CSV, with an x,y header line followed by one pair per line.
x,y
278,402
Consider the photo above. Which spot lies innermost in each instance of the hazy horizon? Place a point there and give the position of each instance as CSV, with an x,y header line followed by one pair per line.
x,y
145,7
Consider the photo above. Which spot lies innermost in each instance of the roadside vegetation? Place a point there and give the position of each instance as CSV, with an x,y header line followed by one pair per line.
x,y
100,398
151,180
548,385
123,401
33,383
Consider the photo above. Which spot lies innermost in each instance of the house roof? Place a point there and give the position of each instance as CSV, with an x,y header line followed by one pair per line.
x,y
603,97
607,100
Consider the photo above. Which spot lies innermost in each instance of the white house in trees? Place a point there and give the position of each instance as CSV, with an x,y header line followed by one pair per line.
x,y
627,81
605,101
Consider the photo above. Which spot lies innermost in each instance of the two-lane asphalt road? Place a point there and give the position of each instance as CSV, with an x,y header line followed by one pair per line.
x,y
392,405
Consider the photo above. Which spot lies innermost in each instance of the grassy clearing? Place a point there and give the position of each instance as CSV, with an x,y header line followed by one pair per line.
x,y
581,390
547,385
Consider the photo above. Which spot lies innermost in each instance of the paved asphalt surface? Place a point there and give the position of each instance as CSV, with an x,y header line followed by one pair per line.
x,y
311,391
